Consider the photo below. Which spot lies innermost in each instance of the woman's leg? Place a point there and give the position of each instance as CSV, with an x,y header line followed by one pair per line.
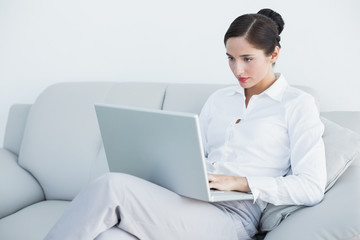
x,y
116,233
142,209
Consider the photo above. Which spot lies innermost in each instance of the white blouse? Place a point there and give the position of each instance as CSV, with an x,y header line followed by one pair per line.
x,y
275,142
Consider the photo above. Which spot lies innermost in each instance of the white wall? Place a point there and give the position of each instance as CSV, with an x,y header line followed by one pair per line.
x,y
47,41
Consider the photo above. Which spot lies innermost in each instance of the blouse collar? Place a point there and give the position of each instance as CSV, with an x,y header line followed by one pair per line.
x,y
275,91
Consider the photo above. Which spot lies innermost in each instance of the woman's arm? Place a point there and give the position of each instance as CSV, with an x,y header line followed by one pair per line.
x,y
306,183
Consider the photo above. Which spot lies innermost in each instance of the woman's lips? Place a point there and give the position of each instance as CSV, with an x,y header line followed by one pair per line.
x,y
243,79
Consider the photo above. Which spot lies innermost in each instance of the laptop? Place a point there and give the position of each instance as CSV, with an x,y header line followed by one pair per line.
x,y
162,147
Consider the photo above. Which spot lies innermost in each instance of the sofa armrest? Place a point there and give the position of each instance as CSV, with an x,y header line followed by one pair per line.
x,y
18,188
15,127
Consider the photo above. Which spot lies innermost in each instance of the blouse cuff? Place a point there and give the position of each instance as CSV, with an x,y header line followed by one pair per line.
x,y
262,188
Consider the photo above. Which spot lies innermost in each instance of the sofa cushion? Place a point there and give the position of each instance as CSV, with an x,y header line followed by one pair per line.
x,y
342,147
62,146
348,119
188,97
15,127
33,222
191,97
18,188
336,217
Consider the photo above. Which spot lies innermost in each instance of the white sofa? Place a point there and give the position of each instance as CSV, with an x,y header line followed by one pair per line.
x,y
53,147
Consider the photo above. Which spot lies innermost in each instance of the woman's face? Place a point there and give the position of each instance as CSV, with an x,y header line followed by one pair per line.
x,y
250,65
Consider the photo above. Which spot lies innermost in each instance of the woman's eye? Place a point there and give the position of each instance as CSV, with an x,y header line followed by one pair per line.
x,y
231,58
247,59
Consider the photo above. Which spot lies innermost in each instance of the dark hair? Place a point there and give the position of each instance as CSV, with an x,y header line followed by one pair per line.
x,y
262,30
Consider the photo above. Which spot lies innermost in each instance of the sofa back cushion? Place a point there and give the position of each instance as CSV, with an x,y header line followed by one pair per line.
x,y
62,145
191,97
188,97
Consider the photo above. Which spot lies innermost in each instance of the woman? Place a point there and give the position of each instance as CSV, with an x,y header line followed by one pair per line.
x,y
263,137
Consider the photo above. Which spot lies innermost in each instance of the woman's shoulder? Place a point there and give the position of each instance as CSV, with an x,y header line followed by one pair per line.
x,y
292,92
297,93
299,100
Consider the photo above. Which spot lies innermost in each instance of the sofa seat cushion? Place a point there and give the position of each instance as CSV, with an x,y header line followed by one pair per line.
x,y
32,222
62,146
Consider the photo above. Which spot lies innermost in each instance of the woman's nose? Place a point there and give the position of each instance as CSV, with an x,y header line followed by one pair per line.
x,y
239,69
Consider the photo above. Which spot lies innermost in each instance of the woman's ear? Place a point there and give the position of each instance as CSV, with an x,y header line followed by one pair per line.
x,y
275,55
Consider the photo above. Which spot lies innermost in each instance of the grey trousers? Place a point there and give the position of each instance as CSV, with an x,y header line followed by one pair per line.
x,y
142,210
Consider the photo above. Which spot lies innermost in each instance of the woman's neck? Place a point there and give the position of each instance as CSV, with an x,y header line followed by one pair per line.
x,y
260,87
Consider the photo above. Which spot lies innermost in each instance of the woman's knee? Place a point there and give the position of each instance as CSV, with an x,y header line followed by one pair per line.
x,y
116,180
111,177
106,180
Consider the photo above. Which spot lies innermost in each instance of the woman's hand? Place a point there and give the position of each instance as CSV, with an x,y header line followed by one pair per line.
x,y
228,183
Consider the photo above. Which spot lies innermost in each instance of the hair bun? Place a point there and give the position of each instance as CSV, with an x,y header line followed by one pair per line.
x,y
276,17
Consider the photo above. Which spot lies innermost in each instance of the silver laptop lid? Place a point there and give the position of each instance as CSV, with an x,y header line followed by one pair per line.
x,y
159,146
